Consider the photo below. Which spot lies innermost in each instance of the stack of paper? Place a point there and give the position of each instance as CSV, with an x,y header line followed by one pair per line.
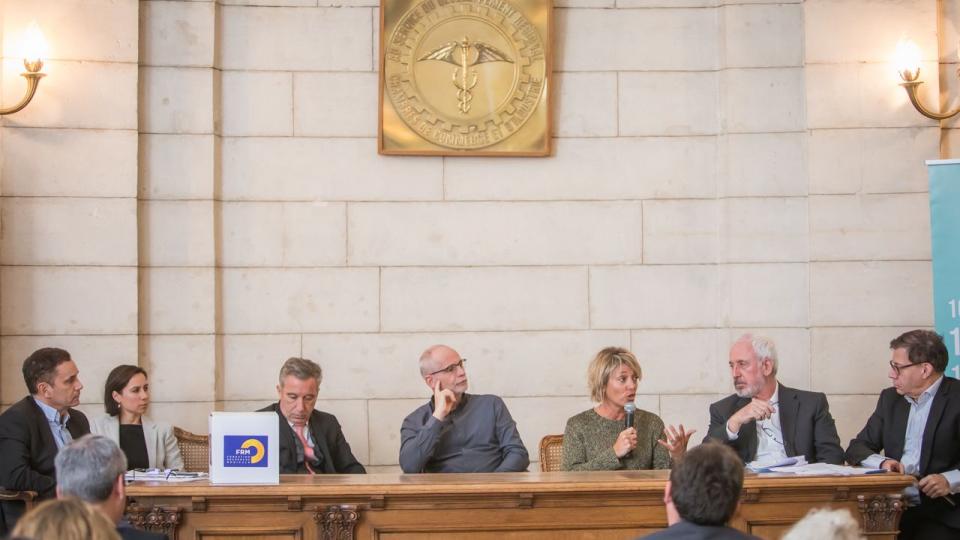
x,y
769,465
823,469
163,475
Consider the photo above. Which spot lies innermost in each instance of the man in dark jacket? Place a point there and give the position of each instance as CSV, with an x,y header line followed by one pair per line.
x,y
917,425
702,495
311,442
92,468
765,421
35,428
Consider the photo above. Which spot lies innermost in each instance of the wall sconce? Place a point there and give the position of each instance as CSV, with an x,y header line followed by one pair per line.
x,y
908,66
34,49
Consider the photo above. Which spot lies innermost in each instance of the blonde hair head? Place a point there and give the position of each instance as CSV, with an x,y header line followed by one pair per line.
x,y
606,362
65,519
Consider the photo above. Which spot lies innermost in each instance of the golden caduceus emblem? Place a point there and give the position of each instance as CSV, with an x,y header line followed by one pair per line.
x,y
465,79
462,76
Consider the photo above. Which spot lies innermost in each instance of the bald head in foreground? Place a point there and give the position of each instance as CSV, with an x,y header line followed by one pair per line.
x,y
456,431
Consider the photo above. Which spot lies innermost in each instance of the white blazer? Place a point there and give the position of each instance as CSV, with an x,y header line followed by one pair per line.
x,y
162,449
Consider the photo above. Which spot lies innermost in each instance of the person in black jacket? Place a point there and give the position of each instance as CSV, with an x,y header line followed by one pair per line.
x,y
917,426
92,469
311,442
765,421
34,429
702,495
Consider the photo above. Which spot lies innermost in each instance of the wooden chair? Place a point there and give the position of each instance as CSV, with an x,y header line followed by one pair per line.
x,y
28,497
195,450
551,453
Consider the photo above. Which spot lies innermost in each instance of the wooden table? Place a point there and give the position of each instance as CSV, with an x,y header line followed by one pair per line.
x,y
581,505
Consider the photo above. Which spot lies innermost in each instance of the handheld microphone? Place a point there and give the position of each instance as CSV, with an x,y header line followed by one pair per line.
x,y
629,408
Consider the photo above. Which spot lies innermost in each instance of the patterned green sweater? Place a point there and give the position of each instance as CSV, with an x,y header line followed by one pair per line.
x,y
588,443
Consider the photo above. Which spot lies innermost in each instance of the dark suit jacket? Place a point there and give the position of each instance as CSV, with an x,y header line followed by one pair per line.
x,y
808,428
27,451
685,530
337,457
940,450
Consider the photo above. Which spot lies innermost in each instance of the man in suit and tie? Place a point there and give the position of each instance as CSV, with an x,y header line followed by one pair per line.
x,y
311,442
92,468
917,426
765,421
35,428
702,495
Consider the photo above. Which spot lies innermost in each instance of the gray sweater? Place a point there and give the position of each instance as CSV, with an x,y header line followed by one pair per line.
x,y
588,443
478,436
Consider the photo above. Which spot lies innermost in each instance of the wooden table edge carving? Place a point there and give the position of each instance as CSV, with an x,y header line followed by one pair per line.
x,y
609,504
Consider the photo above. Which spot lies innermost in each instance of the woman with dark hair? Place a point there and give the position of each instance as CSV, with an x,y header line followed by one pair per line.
x,y
147,444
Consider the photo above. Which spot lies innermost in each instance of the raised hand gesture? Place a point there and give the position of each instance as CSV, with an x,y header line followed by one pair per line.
x,y
444,401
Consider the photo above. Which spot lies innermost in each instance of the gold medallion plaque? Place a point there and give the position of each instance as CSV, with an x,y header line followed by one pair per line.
x,y
465,77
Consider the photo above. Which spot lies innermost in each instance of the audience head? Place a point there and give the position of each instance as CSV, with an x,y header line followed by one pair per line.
x,y
52,377
705,485
825,524
441,364
65,519
613,376
298,389
91,468
919,358
753,365
126,390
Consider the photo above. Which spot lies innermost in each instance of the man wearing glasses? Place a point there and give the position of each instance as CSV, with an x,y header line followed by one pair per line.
x,y
765,421
919,434
456,431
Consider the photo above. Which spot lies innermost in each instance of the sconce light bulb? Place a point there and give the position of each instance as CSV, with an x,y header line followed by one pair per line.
x,y
907,60
34,47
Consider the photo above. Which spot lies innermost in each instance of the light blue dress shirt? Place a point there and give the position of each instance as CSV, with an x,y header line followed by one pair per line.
x,y
58,424
916,423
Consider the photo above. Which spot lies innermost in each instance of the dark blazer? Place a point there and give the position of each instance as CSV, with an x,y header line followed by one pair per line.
x,y
685,530
27,451
337,457
940,450
808,428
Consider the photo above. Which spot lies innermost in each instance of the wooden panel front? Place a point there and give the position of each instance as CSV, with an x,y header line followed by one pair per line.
x,y
595,505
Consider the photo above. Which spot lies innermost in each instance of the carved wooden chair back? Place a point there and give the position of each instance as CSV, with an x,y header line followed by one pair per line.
x,y
551,453
195,450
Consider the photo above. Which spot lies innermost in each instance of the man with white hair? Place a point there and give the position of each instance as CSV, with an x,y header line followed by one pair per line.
x,y
765,421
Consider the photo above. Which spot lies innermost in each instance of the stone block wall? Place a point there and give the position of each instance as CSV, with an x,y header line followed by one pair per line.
x,y
196,189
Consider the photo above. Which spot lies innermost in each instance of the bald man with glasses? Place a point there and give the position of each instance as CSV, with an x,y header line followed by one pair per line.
x,y
456,431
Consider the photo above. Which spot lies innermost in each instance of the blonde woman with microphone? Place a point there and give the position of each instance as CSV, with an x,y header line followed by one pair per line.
x,y
615,434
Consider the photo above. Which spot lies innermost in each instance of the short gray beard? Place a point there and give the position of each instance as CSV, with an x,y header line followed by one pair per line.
x,y
750,391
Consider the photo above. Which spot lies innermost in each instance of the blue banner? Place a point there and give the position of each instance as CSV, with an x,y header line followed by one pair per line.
x,y
945,235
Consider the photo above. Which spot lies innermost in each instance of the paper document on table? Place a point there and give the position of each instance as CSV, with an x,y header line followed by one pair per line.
x,y
768,465
160,475
823,469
